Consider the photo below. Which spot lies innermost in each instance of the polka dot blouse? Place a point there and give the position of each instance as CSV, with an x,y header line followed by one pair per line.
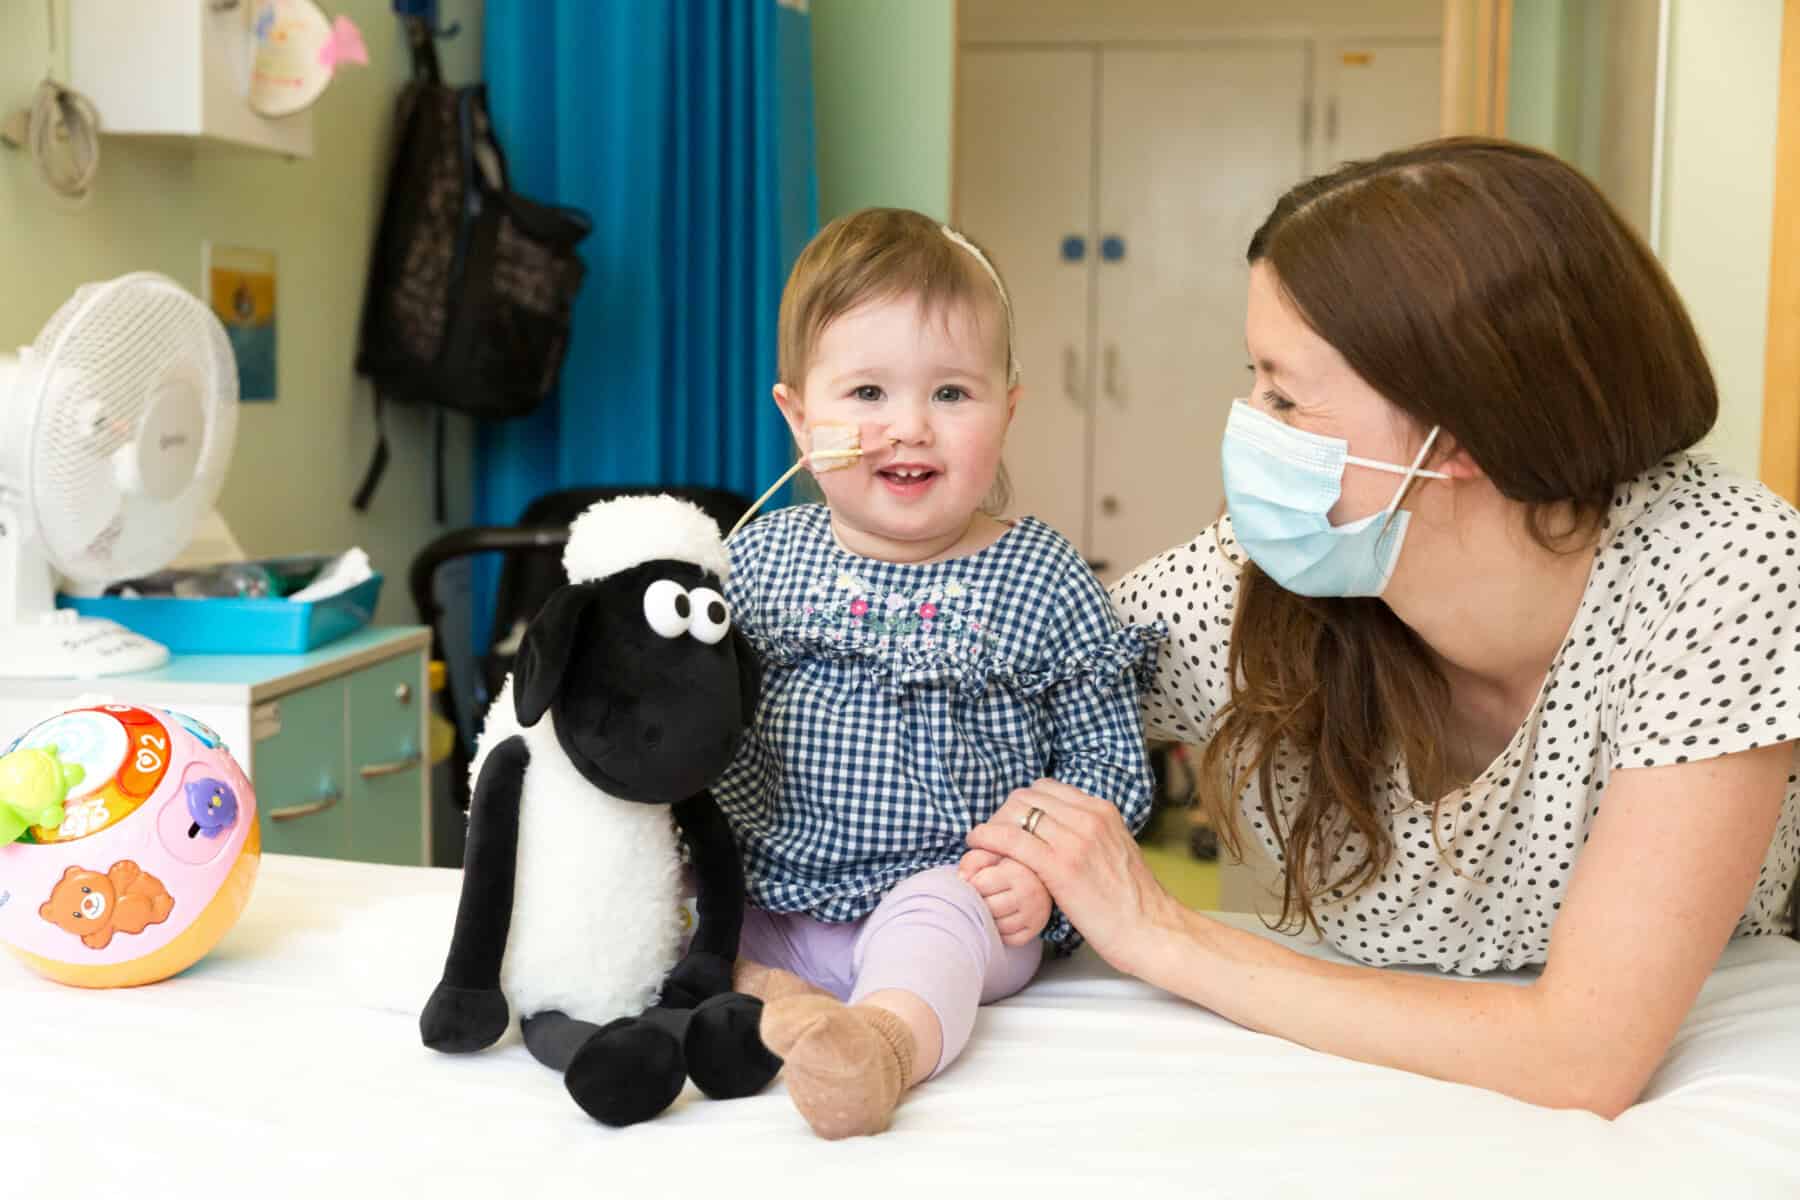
x,y
1686,645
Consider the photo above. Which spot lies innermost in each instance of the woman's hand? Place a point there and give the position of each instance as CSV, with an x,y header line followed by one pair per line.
x,y
1082,851
1018,899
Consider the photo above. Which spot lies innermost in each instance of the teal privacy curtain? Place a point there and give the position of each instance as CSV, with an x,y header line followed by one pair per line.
x,y
684,129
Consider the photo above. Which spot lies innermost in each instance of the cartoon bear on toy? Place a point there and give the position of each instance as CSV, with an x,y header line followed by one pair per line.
x,y
93,906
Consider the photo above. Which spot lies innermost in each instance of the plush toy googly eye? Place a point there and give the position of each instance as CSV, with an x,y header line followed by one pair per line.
x,y
667,608
712,618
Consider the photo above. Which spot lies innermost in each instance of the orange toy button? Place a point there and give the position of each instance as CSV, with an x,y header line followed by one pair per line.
x,y
148,757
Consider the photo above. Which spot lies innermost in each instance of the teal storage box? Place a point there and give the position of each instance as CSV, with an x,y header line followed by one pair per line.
x,y
237,626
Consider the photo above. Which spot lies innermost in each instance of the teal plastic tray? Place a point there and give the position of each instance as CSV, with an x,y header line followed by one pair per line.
x,y
237,626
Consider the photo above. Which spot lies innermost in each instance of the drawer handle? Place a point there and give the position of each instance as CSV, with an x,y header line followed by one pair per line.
x,y
295,812
379,770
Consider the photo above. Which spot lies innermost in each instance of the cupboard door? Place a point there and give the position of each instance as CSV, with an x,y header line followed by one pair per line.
x,y
1380,96
299,773
387,771
1024,192
1196,143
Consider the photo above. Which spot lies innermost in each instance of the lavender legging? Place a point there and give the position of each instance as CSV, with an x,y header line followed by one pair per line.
x,y
932,936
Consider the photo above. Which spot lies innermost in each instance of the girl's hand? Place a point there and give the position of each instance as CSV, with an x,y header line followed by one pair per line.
x,y
1017,898
1082,851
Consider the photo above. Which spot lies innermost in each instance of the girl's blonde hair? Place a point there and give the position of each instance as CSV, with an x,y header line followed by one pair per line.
x,y
885,254
881,254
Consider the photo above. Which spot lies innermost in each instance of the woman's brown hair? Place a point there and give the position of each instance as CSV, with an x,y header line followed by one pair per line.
x,y
1490,289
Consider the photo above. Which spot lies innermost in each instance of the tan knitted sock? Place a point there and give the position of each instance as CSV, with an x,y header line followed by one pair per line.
x,y
770,983
846,1066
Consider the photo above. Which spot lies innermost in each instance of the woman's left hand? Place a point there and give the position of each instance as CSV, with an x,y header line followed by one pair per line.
x,y
1088,859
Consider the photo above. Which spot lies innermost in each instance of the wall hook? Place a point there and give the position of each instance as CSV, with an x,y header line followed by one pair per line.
x,y
426,12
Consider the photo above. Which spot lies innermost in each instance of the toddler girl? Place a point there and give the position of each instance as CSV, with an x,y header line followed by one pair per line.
x,y
922,659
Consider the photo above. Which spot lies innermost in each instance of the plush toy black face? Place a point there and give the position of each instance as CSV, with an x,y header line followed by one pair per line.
x,y
646,681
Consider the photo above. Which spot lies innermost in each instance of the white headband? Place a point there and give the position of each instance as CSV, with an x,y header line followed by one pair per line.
x,y
1012,361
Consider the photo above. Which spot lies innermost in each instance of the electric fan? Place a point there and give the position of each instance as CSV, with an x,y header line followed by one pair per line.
x,y
116,427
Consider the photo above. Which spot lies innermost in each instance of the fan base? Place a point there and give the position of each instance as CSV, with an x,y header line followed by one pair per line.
x,y
83,649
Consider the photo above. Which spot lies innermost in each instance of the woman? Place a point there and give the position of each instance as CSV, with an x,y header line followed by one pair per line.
x,y
1499,673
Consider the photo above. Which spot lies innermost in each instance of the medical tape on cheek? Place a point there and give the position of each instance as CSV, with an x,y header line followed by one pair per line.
x,y
834,447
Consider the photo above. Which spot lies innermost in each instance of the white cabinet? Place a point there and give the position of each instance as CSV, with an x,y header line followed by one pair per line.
x,y
1196,145
1027,124
175,68
1378,95
1117,187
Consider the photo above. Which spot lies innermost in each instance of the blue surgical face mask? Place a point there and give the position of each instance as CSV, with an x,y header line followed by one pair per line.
x,y
1281,482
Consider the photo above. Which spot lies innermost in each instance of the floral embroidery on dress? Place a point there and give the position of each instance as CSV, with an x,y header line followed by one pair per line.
x,y
945,615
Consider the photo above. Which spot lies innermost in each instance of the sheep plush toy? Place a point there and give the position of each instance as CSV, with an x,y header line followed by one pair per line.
x,y
627,699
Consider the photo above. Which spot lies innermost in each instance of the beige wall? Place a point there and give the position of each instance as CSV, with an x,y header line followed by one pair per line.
x,y
297,460
1583,86
1718,197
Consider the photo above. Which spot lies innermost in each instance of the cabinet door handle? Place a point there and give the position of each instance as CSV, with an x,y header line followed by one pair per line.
x,y
1110,363
379,770
1072,376
295,812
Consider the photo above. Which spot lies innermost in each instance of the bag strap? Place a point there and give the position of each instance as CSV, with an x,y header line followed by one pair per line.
x,y
365,491
423,45
378,464
480,148
438,508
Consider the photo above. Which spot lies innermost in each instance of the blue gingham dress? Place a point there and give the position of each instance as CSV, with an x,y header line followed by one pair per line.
x,y
902,702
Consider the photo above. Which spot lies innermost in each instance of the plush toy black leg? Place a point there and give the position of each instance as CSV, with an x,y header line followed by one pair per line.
x,y
627,1071
554,1037
725,1054
463,1020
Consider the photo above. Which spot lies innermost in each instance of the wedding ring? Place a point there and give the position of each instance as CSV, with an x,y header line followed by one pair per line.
x,y
1029,822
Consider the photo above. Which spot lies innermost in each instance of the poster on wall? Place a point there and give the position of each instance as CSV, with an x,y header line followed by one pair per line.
x,y
240,289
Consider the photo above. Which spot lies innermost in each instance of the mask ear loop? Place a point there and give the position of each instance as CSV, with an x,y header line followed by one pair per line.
x,y
1412,473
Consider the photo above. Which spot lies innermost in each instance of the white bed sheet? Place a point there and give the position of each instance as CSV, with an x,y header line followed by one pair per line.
x,y
288,1063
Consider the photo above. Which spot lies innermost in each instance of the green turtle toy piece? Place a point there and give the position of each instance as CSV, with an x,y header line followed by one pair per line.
x,y
33,784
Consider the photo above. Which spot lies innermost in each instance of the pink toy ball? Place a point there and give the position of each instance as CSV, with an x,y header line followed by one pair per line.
x,y
128,845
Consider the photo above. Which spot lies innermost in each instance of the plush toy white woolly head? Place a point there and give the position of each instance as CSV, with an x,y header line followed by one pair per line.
x,y
616,535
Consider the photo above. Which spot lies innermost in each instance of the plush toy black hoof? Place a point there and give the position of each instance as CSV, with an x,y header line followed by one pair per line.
x,y
725,1054
627,1072
463,1020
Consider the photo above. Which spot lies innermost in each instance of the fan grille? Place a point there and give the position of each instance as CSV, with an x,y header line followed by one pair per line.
x,y
132,429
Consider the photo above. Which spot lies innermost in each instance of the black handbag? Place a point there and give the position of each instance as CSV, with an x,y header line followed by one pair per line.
x,y
471,286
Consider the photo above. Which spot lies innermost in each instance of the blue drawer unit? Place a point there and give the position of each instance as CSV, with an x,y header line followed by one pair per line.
x,y
387,767
331,737
298,771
